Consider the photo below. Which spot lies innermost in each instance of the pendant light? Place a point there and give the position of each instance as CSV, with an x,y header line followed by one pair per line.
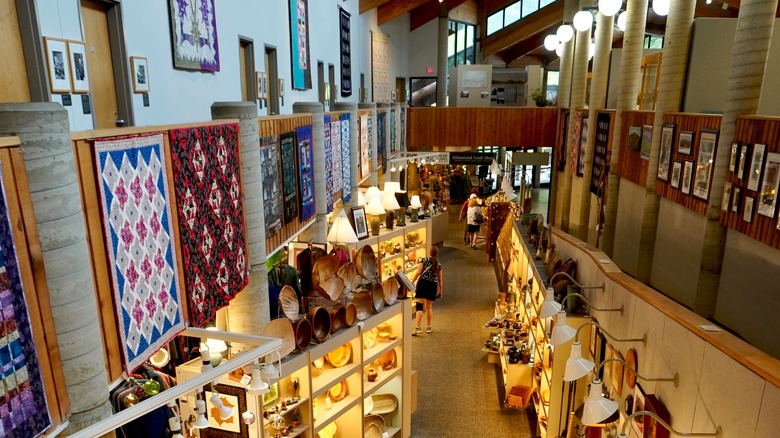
x,y
597,407
621,21
257,386
565,33
200,408
609,8
225,412
661,7
559,50
550,42
583,20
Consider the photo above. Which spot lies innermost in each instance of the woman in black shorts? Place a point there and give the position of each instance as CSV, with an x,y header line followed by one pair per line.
x,y
429,287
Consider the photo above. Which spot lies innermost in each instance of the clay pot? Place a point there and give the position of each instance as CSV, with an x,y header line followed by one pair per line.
x,y
302,330
337,318
350,315
320,322
371,374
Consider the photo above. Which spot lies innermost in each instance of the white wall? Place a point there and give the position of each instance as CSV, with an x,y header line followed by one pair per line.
x,y
423,49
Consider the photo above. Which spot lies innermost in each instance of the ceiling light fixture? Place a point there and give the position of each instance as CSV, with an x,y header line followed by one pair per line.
x,y
583,20
609,8
559,50
621,21
661,7
550,42
565,33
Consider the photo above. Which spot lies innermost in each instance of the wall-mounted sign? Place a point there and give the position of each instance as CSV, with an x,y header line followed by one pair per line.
x,y
471,157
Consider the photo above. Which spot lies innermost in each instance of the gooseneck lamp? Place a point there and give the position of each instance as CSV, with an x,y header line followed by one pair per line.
x,y
717,434
550,307
567,333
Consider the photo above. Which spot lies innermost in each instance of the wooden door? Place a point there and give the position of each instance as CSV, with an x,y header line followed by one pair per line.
x,y
13,75
101,68
400,89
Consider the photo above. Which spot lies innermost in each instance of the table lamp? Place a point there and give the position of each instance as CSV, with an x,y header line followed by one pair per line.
x,y
341,231
390,204
374,192
403,201
416,206
374,209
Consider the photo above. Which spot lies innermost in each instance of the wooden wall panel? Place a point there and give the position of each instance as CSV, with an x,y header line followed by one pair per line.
x,y
750,131
631,166
14,86
692,123
429,128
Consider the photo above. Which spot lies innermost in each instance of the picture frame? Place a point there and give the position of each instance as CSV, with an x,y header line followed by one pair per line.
x,y
583,145
140,66
667,136
281,87
676,173
194,40
272,396
233,427
767,200
638,423
616,371
685,142
651,425
756,165
744,152
708,143
733,158
686,177
260,82
726,201
594,331
79,75
647,140
58,63
735,198
359,222
747,212
634,138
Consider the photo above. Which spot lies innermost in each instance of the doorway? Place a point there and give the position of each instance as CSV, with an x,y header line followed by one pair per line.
x,y
13,76
400,89
332,85
246,57
321,82
275,90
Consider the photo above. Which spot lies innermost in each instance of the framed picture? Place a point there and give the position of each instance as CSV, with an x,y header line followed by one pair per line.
x,y
676,171
767,199
281,87
79,77
634,138
583,146
735,198
747,213
616,371
686,177
756,162
733,157
299,44
725,202
638,423
708,140
359,222
272,396
140,74
194,35
667,136
594,331
684,142
59,67
742,160
232,427
651,427
260,80
647,140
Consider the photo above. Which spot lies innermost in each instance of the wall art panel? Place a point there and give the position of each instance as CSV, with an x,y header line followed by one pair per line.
x,y
272,185
346,159
194,35
346,53
306,171
299,44
288,150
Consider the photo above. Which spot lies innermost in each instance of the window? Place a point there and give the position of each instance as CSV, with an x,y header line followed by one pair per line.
x,y
512,13
460,44
529,7
552,85
654,42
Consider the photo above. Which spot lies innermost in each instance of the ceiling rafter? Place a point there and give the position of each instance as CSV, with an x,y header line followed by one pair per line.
x,y
367,5
391,10
430,10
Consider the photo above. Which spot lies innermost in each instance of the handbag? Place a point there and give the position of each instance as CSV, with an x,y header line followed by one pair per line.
x,y
478,218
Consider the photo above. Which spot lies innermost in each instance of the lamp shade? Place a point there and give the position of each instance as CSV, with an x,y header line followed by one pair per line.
x,y
577,366
565,33
609,8
257,386
216,346
549,307
403,198
390,203
551,42
415,202
225,412
374,192
559,50
392,187
374,206
621,21
341,231
361,198
597,407
583,20
561,332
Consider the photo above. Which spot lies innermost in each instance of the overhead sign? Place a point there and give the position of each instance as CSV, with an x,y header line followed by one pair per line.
x,y
471,157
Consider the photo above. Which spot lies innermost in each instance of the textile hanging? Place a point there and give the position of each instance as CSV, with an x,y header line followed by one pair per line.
x,y
289,176
306,171
402,130
363,148
346,53
381,150
23,410
393,133
574,152
346,160
272,184
335,142
380,66
328,165
136,218
299,44
194,34
206,175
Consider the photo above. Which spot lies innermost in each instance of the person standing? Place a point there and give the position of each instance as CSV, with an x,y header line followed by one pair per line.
x,y
462,218
472,213
430,284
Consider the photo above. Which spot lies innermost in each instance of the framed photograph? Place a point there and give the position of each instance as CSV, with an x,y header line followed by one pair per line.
x,y
79,77
708,140
767,200
594,331
583,146
232,427
726,201
742,160
676,171
686,177
59,67
359,222
140,74
260,81
652,429
647,140
756,163
638,423
281,87
735,198
272,396
684,142
667,136
747,213
634,138
733,157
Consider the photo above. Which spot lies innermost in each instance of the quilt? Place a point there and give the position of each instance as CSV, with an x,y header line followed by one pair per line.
x,y
206,175
289,176
272,185
364,147
306,171
329,190
194,34
346,160
335,141
136,212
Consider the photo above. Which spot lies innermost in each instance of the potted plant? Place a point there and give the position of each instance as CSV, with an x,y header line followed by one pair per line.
x,y
539,96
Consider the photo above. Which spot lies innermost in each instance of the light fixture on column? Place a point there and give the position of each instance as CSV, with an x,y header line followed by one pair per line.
x,y
718,430
341,231
609,8
564,33
270,371
374,209
621,21
257,385
583,20
225,412
550,42
415,206
550,307
559,50
562,332
200,409
661,7
392,167
597,407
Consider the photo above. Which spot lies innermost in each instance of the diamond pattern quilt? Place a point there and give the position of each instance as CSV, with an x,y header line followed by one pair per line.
x,y
329,184
211,220
136,218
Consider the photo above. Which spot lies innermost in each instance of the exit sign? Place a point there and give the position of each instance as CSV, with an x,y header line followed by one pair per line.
x,y
430,69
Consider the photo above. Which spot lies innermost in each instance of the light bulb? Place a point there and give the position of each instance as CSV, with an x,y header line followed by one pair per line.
x,y
621,21
591,50
564,33
392,168
559,50
583,20
550,42
661,7
609,8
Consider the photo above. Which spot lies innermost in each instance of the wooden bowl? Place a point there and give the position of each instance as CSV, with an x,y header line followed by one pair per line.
x,y
387,360
324,268
377,420
372,431
332,288
338,392
288,302
320,322
363,304
349,275
302,330
384,403
390,290
340,355
378,297
365,262
337,318
350,315
281,328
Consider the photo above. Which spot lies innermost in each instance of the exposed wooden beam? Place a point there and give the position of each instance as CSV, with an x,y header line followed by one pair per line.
x,y
367,5
394,9
429,11
549,16
527,45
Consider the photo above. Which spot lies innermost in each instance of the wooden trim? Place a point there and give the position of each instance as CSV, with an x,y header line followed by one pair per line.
x,y
10,142
174,207
139,130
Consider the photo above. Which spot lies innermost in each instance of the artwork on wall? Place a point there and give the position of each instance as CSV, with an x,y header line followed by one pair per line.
x,y
652,429
676,171
742,160
299,44
747,213
767,200
402,130
392,135
685,142
733,157
381,141
725,202
288,150
616,371
647,140
136,213
359,222
346,53
686,177
306,171
583,145
735,200
667,136
206,174
756,162
380,66
574,151
634,138
639,405
326,140
372,148
335,144
23,403
140,74
232,427
346,160
79,75
272,185
261,79
365,164
600,145
58,64
708,140
194,35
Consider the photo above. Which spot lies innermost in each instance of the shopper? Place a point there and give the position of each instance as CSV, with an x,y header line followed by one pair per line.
x,y
429,286
462,218
474,211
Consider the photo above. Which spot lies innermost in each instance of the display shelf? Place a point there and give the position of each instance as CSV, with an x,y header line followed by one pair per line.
x,y
387,313
342,337
411,269
389,259
298,431
392,431
331,376
325,416
290,408
378,350
415,248
383,378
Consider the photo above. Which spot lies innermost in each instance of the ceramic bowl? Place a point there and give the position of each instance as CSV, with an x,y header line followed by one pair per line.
x,y
320,322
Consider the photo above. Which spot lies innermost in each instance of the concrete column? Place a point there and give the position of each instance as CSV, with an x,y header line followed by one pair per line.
x,y
354,156
630,81
441,57
598,98
319,230
249,311
372,178
570,7
385,174
54,188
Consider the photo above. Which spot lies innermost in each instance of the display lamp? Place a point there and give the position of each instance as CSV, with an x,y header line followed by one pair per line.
x,y
361,199
205,358
717,434
271,371
609,8
374,209
257,385
583,20
566,333
374,192
576,283
597,407
565,33
217,348
403,201
550,307
225,412
621,21
415,205
341,231
551,42
661,7
390,204
200,408
578,367
174,425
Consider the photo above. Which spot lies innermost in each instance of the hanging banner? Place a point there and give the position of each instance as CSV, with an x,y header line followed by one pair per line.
x,y
600,152
346,54
289,176
381,147
306,171
328,165
346,160
363,147
299,44
335,144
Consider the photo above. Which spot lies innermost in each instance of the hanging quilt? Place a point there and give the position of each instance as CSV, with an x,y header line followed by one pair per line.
x,y
402,130
346,160
306,171
272,185
363,147
194,33
393,137
335,142
289,176
381,150
136,219
211,218
328,165
346,53
299,44
23,411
